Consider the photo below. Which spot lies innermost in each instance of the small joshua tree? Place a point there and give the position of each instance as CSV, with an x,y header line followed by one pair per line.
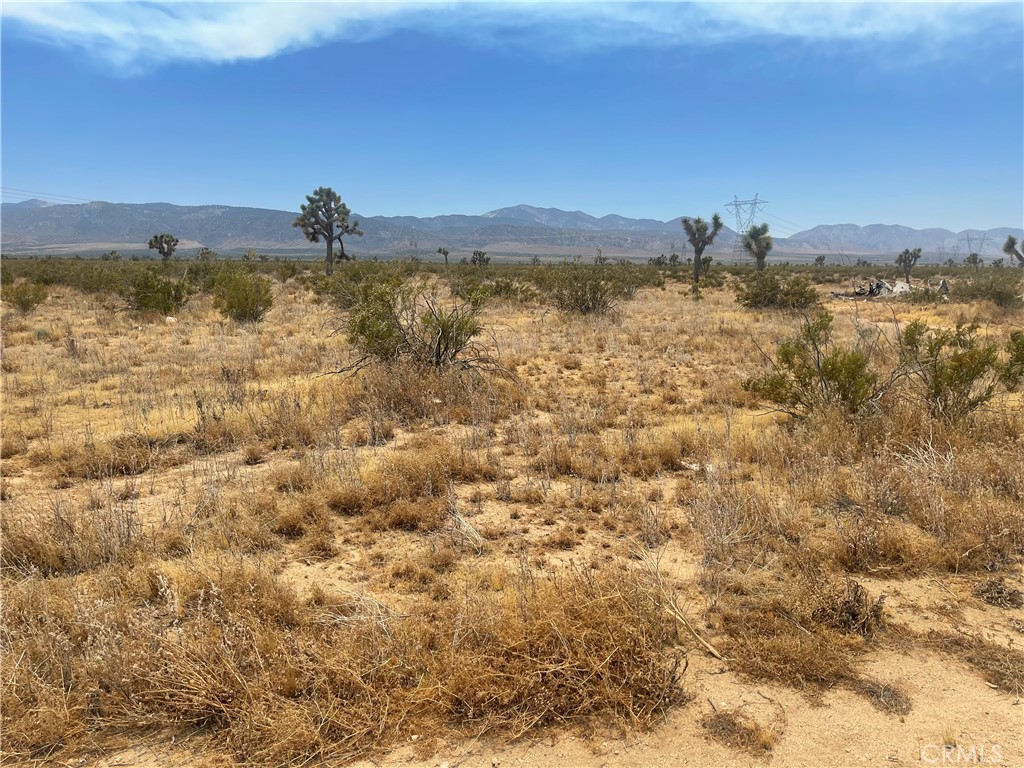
x,y
700,235
758,244
974,260
906,261
164,244
480,259
1010,249
444,252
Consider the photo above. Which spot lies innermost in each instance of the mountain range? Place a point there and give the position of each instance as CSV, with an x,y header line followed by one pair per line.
x,y
41,227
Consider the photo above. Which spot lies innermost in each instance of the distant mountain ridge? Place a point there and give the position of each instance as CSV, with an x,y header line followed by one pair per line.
x,y
37,225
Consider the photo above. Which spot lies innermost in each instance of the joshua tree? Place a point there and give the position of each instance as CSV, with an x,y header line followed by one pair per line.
x,y
1010,249
444,252
819,260
758,243
164,244
906,261
701,236
324,215
974,260
480,259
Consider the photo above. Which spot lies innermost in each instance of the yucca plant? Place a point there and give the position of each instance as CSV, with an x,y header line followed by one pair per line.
x,y
758,244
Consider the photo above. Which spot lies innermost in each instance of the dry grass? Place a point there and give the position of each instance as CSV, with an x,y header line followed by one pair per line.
x,y
342,677
1001,666
740,731
318,567
883,696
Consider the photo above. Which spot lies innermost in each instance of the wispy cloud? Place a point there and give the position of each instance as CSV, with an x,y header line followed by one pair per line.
x,y
139,35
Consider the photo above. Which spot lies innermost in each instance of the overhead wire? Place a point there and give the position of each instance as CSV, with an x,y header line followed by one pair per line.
x,y
48,196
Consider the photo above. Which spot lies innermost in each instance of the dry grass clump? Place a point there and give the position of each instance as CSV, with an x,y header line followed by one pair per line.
x,y
873,544
284,682
803,631
126,455
739,730
1000,665
426,469
67,539
405,393
997,592
883,696
655,453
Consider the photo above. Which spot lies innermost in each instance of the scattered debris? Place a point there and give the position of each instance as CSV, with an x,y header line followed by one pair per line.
x,y
875,288
997,592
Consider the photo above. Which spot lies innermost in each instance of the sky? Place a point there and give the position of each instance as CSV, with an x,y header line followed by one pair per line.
x,y
895,113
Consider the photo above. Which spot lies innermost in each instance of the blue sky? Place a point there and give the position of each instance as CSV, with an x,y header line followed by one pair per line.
x,y
860,113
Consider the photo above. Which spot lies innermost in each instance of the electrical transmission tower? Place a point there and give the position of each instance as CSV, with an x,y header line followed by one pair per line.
x,y
972,240
745,212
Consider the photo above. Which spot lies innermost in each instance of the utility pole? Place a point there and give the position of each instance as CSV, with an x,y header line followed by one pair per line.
x,y
745,212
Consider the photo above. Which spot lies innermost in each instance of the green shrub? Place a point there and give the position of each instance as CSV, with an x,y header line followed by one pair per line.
x,y
810,374
589,289
1002,289
1012,375
470,286
770,290
955,371
243,297
284,270
410,322
148,292
25,296
475,288
352,284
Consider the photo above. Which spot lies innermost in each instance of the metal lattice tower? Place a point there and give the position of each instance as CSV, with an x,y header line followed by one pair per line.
x,y
745,212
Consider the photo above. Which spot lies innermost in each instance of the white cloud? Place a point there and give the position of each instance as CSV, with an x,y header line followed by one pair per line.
x,y
136,35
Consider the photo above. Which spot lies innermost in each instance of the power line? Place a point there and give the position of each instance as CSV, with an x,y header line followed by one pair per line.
x,y
799,227
744,211
17,192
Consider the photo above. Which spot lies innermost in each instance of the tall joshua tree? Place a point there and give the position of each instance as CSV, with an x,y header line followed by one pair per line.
x,y
700,236
164,244
758,244
325,216
906,261
1010,249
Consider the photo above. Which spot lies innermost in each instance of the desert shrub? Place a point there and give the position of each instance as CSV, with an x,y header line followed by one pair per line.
x,y
1012,375
512,289
243,297
148,292
475,288
770,290
285,270
86,275
955,372
25,296
811,373
202,275
585,289
411,322
353,284
470,286
1001,289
